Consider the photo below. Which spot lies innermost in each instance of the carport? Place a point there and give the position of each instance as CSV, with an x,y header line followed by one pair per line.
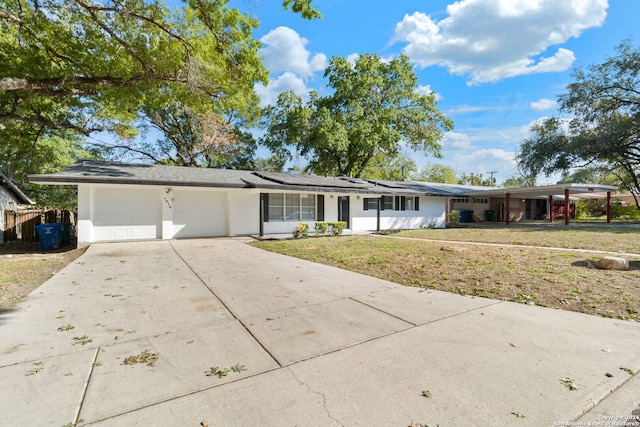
x,y
549,191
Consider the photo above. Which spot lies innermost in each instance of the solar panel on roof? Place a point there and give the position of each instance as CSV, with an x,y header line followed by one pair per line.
x,y
308,180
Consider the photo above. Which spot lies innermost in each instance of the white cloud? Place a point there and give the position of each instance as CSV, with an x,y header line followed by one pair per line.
x,y
352,58
426,90
483,161
543,104
285,50
490,40
285,82
454,141
465,109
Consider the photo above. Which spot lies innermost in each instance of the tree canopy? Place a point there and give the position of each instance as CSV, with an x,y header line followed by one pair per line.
x,y
73,68
602,127
436,172
84,66
374,107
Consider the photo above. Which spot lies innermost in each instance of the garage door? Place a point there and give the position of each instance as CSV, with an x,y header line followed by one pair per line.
x,y
127,214
199,213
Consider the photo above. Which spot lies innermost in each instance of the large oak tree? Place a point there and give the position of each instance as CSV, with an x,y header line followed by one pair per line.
x,y
601,130
70,69
374,107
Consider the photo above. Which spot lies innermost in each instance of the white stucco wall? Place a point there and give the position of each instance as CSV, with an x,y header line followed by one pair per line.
x,y
431,209
242,212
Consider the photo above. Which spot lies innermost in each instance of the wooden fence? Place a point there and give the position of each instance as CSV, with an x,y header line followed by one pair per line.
x,y
21,225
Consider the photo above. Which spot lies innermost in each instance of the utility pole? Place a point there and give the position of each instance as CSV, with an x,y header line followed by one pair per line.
x,y
493,180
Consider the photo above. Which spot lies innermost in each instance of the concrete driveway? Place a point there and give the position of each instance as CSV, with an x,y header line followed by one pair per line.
x,y
217,332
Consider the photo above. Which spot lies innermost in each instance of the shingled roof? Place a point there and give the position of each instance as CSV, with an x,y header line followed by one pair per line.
x,y
14,190
99,172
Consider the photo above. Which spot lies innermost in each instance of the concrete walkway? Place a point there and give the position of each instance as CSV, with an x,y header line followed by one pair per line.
x,y
217,332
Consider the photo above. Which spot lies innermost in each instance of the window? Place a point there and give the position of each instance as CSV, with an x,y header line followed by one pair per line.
x,y
370,204
409,203
291,207
308,207
387,202
276,207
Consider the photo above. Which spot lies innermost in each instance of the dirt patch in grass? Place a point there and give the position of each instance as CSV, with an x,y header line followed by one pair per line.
x,y
24,267
562,279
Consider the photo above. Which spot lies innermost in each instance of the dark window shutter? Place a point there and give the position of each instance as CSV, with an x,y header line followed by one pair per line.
x,y
403,203
264,197
320,208
365,205
381,203
416,204
397,204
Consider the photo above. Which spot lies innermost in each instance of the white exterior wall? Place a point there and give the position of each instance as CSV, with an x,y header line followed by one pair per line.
x,y
85,213
241,215
7,203
431,209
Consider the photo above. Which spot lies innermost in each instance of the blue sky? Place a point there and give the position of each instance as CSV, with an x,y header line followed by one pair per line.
x,y
496,66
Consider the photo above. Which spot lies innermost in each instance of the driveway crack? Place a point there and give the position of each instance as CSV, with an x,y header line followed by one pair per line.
x,y
324,398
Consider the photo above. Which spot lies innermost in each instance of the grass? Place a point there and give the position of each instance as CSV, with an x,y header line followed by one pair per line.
x,y
23,267
562,279
611,238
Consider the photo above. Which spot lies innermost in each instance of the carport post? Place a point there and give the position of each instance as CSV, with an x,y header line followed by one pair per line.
x,y
608,207
550,208
507,208
261,215
566,206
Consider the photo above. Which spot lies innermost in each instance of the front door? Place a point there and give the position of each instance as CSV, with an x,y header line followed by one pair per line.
x,y
343,209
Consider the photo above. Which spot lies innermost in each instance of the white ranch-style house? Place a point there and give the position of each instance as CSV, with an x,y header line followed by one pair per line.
x,y
127,201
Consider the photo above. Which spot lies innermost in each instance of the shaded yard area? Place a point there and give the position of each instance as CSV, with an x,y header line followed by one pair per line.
x,y
563,279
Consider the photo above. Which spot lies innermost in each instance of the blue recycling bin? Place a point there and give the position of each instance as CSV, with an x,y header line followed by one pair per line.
x,y
466,216
50,236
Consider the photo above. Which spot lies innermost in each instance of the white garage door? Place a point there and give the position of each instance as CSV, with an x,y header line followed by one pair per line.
x,y
127,214
199,213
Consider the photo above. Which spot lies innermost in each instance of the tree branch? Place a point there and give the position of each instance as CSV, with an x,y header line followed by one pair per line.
x,y
5,117
63,86
147,68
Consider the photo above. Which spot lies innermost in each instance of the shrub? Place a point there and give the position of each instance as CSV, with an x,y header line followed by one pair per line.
x,y
333,228
301,229
338,227
321,228
454,217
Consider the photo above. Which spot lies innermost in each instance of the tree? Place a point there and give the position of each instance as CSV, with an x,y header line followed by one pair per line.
x,y
71,68
435,172
270,164
398,169
473,179
190,138
373,108
515,182
603,130
85,66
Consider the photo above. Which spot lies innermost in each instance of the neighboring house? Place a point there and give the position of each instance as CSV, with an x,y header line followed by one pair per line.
x,y
11,199
124,201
